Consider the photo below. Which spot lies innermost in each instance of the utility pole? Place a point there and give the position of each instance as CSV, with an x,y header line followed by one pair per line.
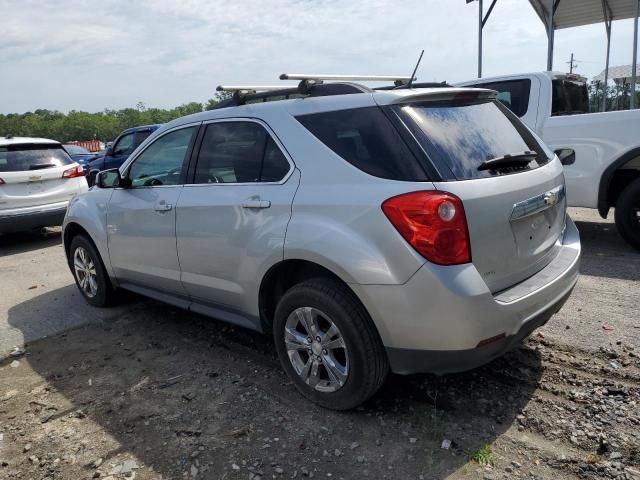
x,y
572,64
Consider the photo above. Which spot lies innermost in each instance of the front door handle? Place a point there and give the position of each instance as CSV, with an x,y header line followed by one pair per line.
x,y
256,204
163,207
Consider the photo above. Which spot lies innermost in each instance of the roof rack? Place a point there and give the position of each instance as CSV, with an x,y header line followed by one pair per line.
x,y
311,85
319,78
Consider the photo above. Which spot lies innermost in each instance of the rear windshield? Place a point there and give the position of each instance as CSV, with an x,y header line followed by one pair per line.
x,y
569,97
21,158
460,137
366,138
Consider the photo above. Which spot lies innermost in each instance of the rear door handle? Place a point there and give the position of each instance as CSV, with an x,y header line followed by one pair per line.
x,y
163,207
256,204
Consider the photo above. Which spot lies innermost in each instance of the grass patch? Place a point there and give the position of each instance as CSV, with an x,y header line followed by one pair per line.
x,y
483,456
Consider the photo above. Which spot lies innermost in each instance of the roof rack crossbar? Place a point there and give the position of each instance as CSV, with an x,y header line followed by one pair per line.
x,y
397,79
251,88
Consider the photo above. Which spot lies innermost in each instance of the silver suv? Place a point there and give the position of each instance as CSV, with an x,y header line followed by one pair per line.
x,y
369,230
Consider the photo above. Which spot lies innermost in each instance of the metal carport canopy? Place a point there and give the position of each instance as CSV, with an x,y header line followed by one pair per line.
x,y
558,14
575,13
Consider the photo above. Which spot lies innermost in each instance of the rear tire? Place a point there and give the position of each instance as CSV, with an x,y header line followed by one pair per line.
x,y
89,272
351,362
627,214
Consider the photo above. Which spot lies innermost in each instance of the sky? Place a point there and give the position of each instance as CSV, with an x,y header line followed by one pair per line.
x,y
91,55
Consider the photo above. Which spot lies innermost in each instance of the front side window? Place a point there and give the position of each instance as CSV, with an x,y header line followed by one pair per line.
x,y
124,146
239,152
142,136
366,139
161,163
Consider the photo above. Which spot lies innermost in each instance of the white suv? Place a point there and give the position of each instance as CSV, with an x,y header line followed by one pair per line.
x,y
37,180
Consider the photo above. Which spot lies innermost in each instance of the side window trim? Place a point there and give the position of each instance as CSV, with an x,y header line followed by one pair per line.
x,y
186,162
194,161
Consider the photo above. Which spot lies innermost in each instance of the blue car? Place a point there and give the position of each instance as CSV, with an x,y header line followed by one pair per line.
x,y
80,155
122,147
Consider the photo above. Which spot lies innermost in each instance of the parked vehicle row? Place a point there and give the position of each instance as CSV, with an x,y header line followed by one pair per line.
x,y
368,231
602,164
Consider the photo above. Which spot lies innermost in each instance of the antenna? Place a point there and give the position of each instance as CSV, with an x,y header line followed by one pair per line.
x,y
413,75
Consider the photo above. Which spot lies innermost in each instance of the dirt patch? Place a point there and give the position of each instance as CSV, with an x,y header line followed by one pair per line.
x,y
160,393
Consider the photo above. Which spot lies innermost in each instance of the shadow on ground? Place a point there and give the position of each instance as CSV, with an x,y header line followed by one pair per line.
x,y
605,254
14,243
181,392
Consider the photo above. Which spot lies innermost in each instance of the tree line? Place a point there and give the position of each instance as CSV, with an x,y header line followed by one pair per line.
x,y
104,126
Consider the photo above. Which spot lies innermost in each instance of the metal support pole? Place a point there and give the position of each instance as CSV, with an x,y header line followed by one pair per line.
x,y
551,32
480,38
634,64
607,25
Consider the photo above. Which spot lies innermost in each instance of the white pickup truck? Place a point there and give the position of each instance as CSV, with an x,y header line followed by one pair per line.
x,y
600,151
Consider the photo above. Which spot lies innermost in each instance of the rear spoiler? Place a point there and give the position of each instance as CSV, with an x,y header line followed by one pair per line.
x,y
439,94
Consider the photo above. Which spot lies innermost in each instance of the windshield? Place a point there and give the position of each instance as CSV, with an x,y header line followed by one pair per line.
x,y
20,158
76,150
570,97
461,136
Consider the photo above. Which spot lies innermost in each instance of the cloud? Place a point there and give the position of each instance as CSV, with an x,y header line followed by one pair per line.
x,y
75,54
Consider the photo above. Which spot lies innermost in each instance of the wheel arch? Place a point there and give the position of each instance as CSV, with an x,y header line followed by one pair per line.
x,y
612,182
284,275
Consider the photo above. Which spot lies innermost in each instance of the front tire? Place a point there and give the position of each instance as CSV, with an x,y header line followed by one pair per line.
x,y
328,344
89,272
627,214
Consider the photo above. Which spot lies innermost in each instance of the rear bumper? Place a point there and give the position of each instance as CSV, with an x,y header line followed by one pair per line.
x,y
23,219
437,321
406,361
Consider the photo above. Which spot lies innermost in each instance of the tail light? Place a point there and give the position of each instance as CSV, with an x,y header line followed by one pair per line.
x,y
73,172
433,223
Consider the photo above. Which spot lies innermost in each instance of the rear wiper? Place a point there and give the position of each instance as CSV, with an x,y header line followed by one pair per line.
x,y
40,166
508,159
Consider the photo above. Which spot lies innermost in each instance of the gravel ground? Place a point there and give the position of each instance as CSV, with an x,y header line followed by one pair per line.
x,y
148,391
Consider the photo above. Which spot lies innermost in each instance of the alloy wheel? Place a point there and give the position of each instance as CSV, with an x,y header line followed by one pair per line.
x,y
85,270
316,349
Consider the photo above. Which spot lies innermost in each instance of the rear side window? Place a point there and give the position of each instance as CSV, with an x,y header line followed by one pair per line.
x,y
569,97
239,152
21,158
461,136
514,94
366,139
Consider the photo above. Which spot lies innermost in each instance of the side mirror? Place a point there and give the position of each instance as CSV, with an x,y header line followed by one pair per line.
x,y
109,152
567,156
111,179
91,177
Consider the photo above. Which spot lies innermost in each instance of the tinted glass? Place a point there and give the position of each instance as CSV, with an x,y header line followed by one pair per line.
x,y
569,97
142,136
124,145
231,152
365,138
275,165
161,162
512,93
76,150
461,136
21,158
